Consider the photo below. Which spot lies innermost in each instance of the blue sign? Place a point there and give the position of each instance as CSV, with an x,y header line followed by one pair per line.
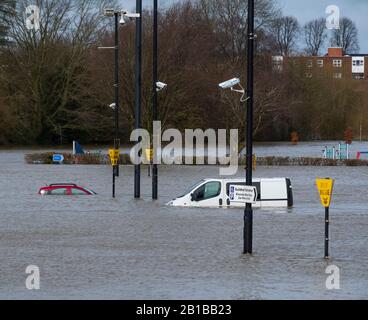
x,y
232,192
58,158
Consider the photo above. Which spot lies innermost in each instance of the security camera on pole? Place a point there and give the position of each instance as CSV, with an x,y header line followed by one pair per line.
x,y
157,86
247,96
248,213
120,19
138,91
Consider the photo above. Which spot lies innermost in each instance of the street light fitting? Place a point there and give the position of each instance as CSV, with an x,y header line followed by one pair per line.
x,y
106,48
109,12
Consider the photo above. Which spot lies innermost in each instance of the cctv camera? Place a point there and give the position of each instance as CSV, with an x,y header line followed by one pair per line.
x,y
112,106
128,14
160,85
229,84
131,15
122,20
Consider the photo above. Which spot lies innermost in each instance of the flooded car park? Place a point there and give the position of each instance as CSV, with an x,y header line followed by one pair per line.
x,y
139,249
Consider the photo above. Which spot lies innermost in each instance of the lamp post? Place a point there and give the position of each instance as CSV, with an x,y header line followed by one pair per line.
x,y
119,20
154,94
138,92
247,96
117,87
157,86
248,212
116,14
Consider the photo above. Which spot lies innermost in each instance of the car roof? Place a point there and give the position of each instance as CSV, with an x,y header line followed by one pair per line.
x,y
63,185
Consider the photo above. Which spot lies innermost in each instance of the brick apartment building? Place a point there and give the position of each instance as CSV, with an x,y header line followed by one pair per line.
x,y
335,65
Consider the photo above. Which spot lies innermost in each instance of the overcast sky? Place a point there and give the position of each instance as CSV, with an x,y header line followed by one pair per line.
x,y
305,10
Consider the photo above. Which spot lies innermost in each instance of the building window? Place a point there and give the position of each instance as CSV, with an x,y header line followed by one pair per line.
x,y
308,75
337,75
337,63
358,63
320,63
358,76
309,63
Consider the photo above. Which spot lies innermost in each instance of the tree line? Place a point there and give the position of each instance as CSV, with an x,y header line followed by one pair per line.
x,y
56,86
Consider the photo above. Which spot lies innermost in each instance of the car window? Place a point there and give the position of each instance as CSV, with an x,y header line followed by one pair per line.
x,y
59,191
209,190
77,192
89,190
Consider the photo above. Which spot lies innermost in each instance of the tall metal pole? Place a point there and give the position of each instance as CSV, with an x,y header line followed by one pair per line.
x,y
154,93
138,92
117,86
113,181
248,212
327,232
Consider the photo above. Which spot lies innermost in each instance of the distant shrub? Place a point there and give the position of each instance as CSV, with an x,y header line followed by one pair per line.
x,y
294,138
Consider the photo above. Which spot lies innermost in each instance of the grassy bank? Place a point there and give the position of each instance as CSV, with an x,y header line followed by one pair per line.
x,y
103,159
69,158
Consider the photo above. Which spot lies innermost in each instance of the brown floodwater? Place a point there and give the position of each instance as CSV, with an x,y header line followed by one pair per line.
x,y
100,248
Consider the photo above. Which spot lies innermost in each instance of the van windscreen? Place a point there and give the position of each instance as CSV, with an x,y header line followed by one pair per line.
x,y
191,188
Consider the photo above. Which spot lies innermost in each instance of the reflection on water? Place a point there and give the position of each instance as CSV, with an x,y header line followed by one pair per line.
x,y
97,247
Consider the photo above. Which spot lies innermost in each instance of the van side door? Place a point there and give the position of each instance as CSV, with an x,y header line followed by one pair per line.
x,y
274,193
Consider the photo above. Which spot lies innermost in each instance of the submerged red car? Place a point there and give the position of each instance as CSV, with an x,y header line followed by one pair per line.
x,y
65,189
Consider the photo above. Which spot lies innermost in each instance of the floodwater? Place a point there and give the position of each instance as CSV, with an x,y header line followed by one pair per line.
x,y
306,149
100,248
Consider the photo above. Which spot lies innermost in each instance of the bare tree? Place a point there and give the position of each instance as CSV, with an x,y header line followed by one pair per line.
x,y
229,20
6,10
285,31
55,79
46,66
346,36
315,36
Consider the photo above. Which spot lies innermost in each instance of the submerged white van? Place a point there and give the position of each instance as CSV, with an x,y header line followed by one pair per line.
x,y
272,192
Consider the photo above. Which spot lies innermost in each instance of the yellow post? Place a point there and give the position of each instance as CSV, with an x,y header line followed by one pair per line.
x,y
254,162
114,155
149,158
149,155
325,188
